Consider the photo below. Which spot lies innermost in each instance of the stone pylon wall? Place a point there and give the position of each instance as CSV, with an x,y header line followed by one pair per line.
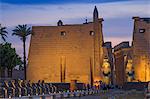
x,y
141,48
66,52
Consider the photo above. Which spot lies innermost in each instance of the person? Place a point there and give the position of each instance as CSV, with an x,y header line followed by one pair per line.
x,y
88,87
148,91
148,88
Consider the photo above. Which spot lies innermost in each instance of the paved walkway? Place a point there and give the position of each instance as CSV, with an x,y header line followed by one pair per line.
x,y
111,94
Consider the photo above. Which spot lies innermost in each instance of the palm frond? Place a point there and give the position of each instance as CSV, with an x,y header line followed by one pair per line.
x,y
22,31
3,33
3,38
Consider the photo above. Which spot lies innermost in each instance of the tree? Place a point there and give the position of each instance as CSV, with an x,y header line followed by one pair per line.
x,y
3,32
22,31
9,58
2,67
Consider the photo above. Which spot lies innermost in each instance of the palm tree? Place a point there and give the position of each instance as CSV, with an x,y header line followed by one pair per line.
x,y
22,31
3,32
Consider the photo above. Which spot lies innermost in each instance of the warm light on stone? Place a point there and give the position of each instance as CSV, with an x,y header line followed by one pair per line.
x,y
129,70
141,49
106,70
75,55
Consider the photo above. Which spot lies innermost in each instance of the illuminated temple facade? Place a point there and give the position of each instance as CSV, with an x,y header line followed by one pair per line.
x,y
68,52
132,63
78,52
141,48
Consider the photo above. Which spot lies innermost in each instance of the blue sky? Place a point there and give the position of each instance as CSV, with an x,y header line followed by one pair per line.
x,y
117,15
58,1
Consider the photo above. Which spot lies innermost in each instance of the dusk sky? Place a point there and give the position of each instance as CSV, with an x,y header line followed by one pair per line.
x,y
117,15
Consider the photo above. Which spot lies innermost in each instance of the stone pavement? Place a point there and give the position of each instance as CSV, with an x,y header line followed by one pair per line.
x,y
111,94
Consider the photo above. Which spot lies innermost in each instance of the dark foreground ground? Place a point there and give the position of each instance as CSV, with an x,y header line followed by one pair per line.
x,y
111,94
118,94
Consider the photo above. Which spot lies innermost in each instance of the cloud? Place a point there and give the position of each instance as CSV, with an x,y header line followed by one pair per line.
x,y
48,13
57,1
126,9
117,25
